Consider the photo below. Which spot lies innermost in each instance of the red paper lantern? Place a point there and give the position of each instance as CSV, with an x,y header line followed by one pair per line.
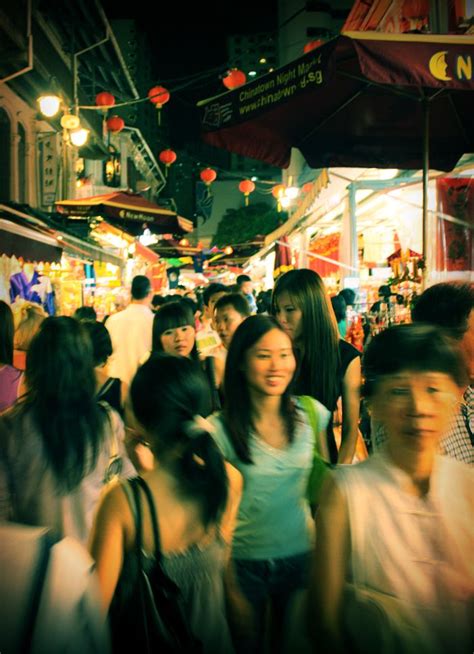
x,y
159,96
234,78
312,45
104,100
168,157
208,175
306,188
115,124
246,187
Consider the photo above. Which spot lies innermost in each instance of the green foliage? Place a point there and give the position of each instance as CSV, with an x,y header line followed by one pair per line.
x,y
244,224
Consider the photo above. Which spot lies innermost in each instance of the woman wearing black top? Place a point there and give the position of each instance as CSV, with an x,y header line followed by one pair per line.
x,y
328,367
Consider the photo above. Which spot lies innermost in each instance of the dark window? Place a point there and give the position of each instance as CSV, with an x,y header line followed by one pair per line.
x,y
5,169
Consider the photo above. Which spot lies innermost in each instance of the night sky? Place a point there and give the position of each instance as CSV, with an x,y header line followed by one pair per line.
x,y
190,38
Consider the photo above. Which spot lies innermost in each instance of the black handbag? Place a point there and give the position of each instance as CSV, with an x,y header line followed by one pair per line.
x,y
152,619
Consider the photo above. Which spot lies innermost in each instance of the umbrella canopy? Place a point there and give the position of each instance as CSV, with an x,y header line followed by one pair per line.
x,y
128,209
359,100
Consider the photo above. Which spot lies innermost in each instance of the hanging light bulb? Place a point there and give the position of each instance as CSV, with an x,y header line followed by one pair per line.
x,y
49,105
79,136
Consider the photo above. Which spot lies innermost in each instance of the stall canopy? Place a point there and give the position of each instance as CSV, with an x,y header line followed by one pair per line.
x,y
361,99
21,235
130,210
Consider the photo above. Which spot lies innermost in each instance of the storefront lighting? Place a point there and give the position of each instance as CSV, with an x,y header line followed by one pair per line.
x,y
79,136
49,105
252,73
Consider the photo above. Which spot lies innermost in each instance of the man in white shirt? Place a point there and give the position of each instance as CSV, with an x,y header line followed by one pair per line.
x,y
131,332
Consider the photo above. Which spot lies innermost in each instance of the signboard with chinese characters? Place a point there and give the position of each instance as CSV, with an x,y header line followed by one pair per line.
x,y
48,169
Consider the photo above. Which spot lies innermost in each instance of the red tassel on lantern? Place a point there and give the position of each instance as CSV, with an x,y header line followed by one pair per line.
x,y
234,78
246,187
159,96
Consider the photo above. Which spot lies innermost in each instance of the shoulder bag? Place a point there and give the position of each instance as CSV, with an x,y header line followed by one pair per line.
x,y
152,618
320,464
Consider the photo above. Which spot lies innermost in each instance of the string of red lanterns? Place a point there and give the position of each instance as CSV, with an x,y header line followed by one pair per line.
x,y
168,157
234,78
159,96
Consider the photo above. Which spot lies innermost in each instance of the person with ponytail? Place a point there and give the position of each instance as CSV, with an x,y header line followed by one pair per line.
x,y
194,493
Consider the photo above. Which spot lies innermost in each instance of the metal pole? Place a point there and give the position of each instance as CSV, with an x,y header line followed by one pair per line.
x,y
426,166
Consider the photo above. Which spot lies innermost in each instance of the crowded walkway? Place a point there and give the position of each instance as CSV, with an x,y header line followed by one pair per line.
x,y
208,478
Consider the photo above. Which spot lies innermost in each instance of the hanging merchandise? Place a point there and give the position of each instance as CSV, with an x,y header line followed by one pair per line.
x,y
246,187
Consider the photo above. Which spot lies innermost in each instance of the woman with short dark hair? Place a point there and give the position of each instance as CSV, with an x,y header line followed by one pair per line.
x,y
393,560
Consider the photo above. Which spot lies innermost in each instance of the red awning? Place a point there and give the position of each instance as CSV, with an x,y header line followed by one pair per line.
x,y
125,207
357,100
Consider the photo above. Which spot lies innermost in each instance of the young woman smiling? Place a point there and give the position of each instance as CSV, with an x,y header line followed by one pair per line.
x,y
264,432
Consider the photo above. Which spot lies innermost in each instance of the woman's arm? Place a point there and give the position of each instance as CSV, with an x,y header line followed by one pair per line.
x,y
107,541
235,494
325,595
350,411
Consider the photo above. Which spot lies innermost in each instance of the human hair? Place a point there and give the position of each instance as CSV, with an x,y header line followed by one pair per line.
x,y
157,301
235,300
101,341
141,287
241,279
167,393
414,347
447,305
318,343
339,306
6,334
30,317
237,411
85,313
348,294
61,389
210,290
170,316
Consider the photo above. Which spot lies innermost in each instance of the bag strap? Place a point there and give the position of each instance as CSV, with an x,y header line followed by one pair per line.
x,y
137,516
154,518
308,407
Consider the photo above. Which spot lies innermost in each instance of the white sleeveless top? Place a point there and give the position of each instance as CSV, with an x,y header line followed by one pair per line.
x,y
416,549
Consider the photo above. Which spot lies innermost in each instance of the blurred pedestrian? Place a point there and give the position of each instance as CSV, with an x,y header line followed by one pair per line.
x,y
9,376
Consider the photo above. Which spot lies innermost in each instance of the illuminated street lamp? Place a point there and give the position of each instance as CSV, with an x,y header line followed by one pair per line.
x,y
49,105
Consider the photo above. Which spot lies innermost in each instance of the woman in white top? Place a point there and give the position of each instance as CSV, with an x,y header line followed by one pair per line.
x,y
393,567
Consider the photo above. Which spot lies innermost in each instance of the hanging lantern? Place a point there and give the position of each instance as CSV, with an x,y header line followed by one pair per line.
x,y
277,192
234,78
246,187
312,45
104,100
208,175
159,96
306,188
115,124
168,157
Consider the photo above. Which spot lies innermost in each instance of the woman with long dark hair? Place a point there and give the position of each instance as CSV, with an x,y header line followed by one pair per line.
x,y
9,376
328,367
189,491
56,444
267,435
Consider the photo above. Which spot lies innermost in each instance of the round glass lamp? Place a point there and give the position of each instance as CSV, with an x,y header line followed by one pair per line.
x,y
79,136
49,105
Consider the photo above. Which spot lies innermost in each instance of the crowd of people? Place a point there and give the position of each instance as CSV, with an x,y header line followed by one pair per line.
x,y
212,445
